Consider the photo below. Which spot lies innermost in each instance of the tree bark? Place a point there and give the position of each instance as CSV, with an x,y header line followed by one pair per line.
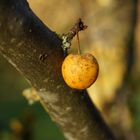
x,y
24,41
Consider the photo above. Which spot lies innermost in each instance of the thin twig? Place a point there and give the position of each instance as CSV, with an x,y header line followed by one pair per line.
x,y
79,26
79,49
66,43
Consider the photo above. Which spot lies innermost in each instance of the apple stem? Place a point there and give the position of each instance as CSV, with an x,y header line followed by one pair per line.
x,y
79,48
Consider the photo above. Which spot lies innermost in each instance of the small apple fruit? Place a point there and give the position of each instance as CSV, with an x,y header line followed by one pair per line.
x,y
80,71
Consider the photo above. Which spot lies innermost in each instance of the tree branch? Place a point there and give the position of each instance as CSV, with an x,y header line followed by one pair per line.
x,y
24,40
67,37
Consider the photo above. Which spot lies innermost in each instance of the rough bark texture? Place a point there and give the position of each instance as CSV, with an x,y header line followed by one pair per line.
x,y
24,41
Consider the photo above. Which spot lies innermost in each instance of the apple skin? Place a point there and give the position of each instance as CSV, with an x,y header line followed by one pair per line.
x,y
80,71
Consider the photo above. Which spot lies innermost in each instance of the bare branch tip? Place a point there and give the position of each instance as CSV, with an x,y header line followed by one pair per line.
x,y
81,25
